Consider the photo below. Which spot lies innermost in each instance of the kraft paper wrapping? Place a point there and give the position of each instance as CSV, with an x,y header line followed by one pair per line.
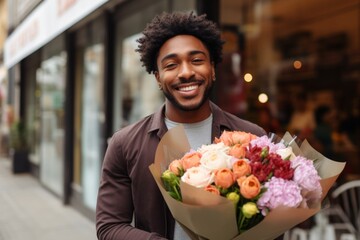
x,y
206,216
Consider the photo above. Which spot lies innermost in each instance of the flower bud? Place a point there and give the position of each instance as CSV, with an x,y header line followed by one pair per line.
x,y
264,152
234,197
176,167
249,209
286,153
169,178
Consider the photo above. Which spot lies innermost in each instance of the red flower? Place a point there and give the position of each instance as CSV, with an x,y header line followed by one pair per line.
x,y
282,168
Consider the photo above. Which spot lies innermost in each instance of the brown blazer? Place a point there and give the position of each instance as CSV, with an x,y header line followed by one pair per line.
x,y
127,187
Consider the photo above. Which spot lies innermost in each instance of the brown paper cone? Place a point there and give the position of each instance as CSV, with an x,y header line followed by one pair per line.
x,y
213,217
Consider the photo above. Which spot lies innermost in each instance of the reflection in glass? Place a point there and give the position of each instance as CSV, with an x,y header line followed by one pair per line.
x,y
141,95
92,122
51,81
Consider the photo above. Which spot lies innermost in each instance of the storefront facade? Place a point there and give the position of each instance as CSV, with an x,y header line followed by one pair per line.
x,y
77,79
73,70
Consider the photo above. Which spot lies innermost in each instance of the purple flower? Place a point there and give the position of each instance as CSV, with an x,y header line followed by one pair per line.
x,y
306,176
265,141
279,192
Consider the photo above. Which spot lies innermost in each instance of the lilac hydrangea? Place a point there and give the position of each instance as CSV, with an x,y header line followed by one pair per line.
x,y
265,141
279,192
306,176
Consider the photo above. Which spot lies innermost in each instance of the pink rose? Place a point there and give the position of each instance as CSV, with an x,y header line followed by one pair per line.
x,y
176,167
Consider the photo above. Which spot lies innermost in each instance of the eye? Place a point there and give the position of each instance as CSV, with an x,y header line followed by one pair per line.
x,y
198,60
170,65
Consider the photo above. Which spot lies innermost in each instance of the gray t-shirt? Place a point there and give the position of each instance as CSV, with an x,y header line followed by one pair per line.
x,y
198,133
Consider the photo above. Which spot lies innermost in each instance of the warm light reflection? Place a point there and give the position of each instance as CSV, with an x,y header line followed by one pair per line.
x,y
263,97
248,77
297,64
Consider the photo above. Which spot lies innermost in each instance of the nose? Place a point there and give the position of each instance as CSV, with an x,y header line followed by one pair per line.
x,y
186,71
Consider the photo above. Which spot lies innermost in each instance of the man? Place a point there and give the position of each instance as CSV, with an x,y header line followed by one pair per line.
x,y
181,50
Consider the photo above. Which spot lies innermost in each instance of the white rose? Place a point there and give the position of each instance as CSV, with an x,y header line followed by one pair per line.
x,y
198,177
214,147
286,152
216,159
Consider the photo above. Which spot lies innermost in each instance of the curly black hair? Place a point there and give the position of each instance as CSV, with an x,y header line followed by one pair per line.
x,y
168,25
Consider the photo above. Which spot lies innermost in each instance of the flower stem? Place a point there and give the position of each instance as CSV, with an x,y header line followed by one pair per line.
x,y
241,221
178,196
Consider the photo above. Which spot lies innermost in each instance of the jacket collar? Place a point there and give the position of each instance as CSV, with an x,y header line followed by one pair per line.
x,y
219,121
158,122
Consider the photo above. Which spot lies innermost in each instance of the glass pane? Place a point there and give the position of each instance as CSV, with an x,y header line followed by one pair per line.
x,y
135,91
92,122
141,95
51,79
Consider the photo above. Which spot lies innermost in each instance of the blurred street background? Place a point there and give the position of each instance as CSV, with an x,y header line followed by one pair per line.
x,y
70,77
28,211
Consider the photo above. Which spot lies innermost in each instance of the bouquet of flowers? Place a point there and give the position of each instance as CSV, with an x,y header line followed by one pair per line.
x,y
254,178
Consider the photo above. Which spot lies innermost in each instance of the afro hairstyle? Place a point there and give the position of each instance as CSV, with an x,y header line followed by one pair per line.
x,y
167,25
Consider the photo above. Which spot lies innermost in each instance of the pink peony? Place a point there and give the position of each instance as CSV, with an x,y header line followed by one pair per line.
x,y
280,192
264,141
306,176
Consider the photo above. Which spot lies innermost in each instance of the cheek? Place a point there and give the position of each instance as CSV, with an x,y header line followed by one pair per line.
x,y
168,78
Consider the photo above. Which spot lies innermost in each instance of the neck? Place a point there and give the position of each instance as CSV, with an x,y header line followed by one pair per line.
x,y
181,116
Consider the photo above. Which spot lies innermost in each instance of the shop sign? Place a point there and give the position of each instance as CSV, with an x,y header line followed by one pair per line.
x,y
47,21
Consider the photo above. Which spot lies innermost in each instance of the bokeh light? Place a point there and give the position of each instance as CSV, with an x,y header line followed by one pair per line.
x,y
297,64
248,77
263,97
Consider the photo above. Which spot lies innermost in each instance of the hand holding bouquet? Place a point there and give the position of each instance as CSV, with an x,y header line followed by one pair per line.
x,y
262,180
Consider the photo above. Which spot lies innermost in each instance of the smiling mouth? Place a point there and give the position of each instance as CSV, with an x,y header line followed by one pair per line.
x,y
188,88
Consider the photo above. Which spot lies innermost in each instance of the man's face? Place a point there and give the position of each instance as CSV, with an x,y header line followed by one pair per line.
x,y
185,72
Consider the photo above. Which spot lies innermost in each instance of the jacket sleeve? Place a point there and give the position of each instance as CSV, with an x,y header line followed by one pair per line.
x,y
114,209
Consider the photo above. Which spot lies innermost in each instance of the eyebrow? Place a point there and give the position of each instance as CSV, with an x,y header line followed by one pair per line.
x,y
191,53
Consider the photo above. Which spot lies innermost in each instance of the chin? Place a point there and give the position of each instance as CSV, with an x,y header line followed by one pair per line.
x,y
190,106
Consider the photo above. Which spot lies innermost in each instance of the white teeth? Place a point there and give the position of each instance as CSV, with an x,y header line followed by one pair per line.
x,y
189,88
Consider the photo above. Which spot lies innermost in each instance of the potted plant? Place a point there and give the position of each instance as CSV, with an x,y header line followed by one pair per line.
x,y
19,148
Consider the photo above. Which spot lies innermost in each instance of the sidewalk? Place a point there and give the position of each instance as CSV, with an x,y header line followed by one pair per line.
x,y
28,211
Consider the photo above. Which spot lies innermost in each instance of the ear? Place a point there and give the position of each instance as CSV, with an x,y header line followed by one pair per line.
x,y
213,75
157,76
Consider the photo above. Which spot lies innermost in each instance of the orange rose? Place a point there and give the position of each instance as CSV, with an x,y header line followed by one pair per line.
x,y
240,180
191,159
224,178
225,138
229,138
237,151
241,168
250,187
212,189
176,167
242,137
